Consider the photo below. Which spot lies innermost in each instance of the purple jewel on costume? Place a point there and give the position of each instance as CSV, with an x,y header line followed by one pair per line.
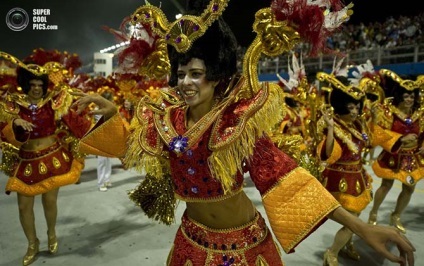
x,y
178,144
147,15
167,36
189,153
408,121
195,27
191,171
182,22
32,107
226,261
215,8
178,39
195,190
364,136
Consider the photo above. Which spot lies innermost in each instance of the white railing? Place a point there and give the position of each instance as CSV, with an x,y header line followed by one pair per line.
x,y
379,56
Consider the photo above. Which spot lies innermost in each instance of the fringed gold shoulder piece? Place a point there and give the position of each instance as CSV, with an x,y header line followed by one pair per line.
x,y
383,116
61,102
145,147
228,156
8,111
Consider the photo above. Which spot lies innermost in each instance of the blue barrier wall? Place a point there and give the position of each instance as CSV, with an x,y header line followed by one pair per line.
x,y
400,69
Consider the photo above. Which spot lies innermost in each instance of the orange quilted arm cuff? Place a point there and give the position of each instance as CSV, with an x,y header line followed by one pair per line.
x,y
107,138
10,136
385,138
296,206
336,153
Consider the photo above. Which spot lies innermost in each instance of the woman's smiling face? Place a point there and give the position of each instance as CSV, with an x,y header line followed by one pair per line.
x,y
193,85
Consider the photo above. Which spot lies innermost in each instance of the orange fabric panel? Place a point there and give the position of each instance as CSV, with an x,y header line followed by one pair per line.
x,y
107,139
296,206
336,153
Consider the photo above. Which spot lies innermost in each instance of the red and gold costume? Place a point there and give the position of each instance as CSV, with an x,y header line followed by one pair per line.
x,y
37,172
206,162
344,175
229,136
406,164
126,114
293,122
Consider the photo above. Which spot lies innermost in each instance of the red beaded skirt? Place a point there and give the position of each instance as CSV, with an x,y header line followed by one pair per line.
x,y
38,172
251,244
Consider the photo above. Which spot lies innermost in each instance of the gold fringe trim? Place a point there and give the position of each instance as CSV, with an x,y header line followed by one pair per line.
x,y
9,158
6,115
138,158
227,161
156,198
65,101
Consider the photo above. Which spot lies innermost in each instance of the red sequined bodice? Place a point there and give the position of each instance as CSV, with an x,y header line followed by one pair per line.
x,y
191,175
42,118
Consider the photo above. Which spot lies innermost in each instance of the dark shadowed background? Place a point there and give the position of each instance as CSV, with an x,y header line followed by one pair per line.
x,y
80,22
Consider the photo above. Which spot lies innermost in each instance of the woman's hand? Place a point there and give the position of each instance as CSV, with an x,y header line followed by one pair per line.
x,y
377,237
328,114
409,141
408,138
105,107
27,126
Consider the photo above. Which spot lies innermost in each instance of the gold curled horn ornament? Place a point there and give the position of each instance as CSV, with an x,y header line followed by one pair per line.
x,y
351,90
273,38
33,68
369,85
182,32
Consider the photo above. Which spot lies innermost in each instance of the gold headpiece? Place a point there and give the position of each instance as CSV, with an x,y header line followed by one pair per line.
x,y
185,30
33,68
408,84
371,86
351,90
56,71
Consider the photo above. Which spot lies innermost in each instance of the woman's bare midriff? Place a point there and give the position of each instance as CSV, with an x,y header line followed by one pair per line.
x,y
232,212
39,144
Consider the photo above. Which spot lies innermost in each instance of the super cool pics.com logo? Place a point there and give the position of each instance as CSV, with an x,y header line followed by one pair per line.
x,y
17,19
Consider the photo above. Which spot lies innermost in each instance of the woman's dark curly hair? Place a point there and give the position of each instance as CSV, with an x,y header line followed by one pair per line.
x,y
25,76
339,99
217,48
397,91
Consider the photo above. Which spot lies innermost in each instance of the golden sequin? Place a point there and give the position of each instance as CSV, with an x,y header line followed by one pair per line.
x,y
56,163
42,168
391,162
65,157
343,185
324,182
358,187
28,170
260,261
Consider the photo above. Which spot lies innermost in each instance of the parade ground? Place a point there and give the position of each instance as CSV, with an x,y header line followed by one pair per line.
x,y
107,229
